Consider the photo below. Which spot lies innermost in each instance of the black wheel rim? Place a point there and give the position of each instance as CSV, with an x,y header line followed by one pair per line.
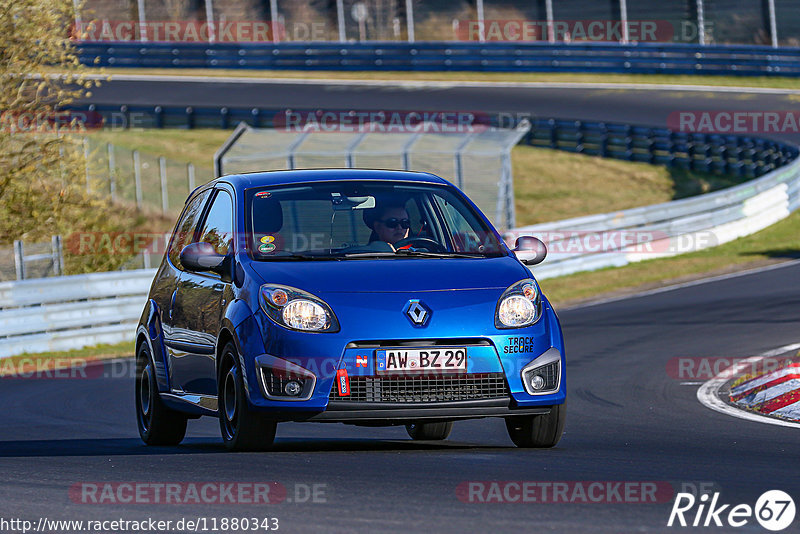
x,y
144,392
228,404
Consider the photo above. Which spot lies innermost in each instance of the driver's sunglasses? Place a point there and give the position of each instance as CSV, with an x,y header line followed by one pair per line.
x,y
393,222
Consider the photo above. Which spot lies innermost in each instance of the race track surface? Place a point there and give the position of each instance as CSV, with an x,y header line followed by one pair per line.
x,y
650,107
628,420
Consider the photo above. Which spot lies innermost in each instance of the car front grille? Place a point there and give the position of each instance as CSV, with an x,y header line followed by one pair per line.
x,y
429,388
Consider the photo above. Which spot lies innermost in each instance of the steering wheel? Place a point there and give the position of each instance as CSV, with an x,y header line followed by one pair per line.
x,y
421,242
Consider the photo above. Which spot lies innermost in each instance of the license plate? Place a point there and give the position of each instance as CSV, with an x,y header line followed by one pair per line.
x,y
439,359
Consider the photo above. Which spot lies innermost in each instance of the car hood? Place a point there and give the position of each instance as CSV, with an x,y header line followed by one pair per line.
x,y
392,275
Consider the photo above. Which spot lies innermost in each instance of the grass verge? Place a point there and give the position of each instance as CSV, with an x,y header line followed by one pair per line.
x,y
779,242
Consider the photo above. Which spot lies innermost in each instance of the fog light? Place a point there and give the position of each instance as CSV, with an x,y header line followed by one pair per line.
x,y
537,382
293,388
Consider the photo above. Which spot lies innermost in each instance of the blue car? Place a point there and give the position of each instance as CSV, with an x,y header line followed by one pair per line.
x,y
366,297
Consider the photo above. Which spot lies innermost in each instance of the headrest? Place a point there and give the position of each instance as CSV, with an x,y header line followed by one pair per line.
x,y
267,216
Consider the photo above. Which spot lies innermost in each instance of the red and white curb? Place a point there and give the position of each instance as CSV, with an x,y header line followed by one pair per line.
x,y
779,390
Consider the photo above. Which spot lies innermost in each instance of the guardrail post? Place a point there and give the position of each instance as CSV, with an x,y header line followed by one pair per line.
x,y
553,133
410,20
112,169
190,117
142,21
137,177
623,19
273,20
159,112
603,148
548,7
481,27
162,167
224,117
628,142
340,20
212,34
701,23
58,255
19,259
773,26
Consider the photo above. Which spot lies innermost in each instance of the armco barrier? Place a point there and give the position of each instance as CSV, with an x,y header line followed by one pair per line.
x,y
668,229
725,154
69,312
642,58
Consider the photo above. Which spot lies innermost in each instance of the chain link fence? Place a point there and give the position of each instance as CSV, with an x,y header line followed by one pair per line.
x,y
766,22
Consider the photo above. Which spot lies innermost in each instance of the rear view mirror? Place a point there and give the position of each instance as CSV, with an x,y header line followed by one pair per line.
x,y
530,250
201,257
345,203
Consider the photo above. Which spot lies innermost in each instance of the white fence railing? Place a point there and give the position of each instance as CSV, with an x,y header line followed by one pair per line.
x,y
668,229
69,312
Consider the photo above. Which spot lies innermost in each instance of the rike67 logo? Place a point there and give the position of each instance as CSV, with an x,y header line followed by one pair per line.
x,y
774,510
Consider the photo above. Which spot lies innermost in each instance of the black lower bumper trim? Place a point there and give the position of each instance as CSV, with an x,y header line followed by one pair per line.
x,y
396,413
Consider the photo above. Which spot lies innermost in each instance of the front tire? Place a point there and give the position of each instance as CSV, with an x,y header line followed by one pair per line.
x,y
429,431
158,425
241,428
538,431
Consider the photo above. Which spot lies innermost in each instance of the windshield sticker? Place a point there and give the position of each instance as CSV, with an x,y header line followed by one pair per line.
x,y
266,248
267,239
263,194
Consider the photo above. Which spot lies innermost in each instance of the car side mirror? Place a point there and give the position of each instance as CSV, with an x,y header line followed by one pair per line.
x,y
202,257
533,250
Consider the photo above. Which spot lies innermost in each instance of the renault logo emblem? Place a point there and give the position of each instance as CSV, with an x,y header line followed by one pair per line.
x,y
417,312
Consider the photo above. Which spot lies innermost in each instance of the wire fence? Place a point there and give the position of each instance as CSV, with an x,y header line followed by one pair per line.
x,y
766,22
23,261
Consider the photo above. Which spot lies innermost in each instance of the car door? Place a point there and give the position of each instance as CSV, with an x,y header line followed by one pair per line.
x,y
198,306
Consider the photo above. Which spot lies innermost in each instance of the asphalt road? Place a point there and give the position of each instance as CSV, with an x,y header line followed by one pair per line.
x,y
650,107
628,420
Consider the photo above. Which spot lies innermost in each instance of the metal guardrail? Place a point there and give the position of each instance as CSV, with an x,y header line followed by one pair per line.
x,y
641,58
667,229
69,312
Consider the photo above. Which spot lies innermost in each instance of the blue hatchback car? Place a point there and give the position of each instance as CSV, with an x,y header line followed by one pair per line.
x,y
366,297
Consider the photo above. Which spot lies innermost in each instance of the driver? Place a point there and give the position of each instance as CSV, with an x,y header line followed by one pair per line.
x,y
388,223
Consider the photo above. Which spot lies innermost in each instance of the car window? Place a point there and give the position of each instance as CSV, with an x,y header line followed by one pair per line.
x,y
184,230
338,220
217,228
462,225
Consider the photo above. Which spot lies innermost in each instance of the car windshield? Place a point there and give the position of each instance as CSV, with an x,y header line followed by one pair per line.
x,y
347,220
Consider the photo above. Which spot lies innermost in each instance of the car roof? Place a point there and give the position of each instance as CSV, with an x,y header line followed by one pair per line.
x,y
256,179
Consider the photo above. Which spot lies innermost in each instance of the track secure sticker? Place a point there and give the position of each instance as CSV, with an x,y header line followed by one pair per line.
x,y
266,248
343,383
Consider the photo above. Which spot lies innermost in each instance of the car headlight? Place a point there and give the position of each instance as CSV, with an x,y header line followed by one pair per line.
x,y
519,306
297,309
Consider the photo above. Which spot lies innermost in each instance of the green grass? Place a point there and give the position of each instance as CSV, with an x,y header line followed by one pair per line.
x,y
780,241
561,77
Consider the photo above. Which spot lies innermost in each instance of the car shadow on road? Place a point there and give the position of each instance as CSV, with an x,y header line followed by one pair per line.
x,y
134,446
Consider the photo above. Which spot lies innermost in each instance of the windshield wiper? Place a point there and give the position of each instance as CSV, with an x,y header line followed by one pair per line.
x,y
424,254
